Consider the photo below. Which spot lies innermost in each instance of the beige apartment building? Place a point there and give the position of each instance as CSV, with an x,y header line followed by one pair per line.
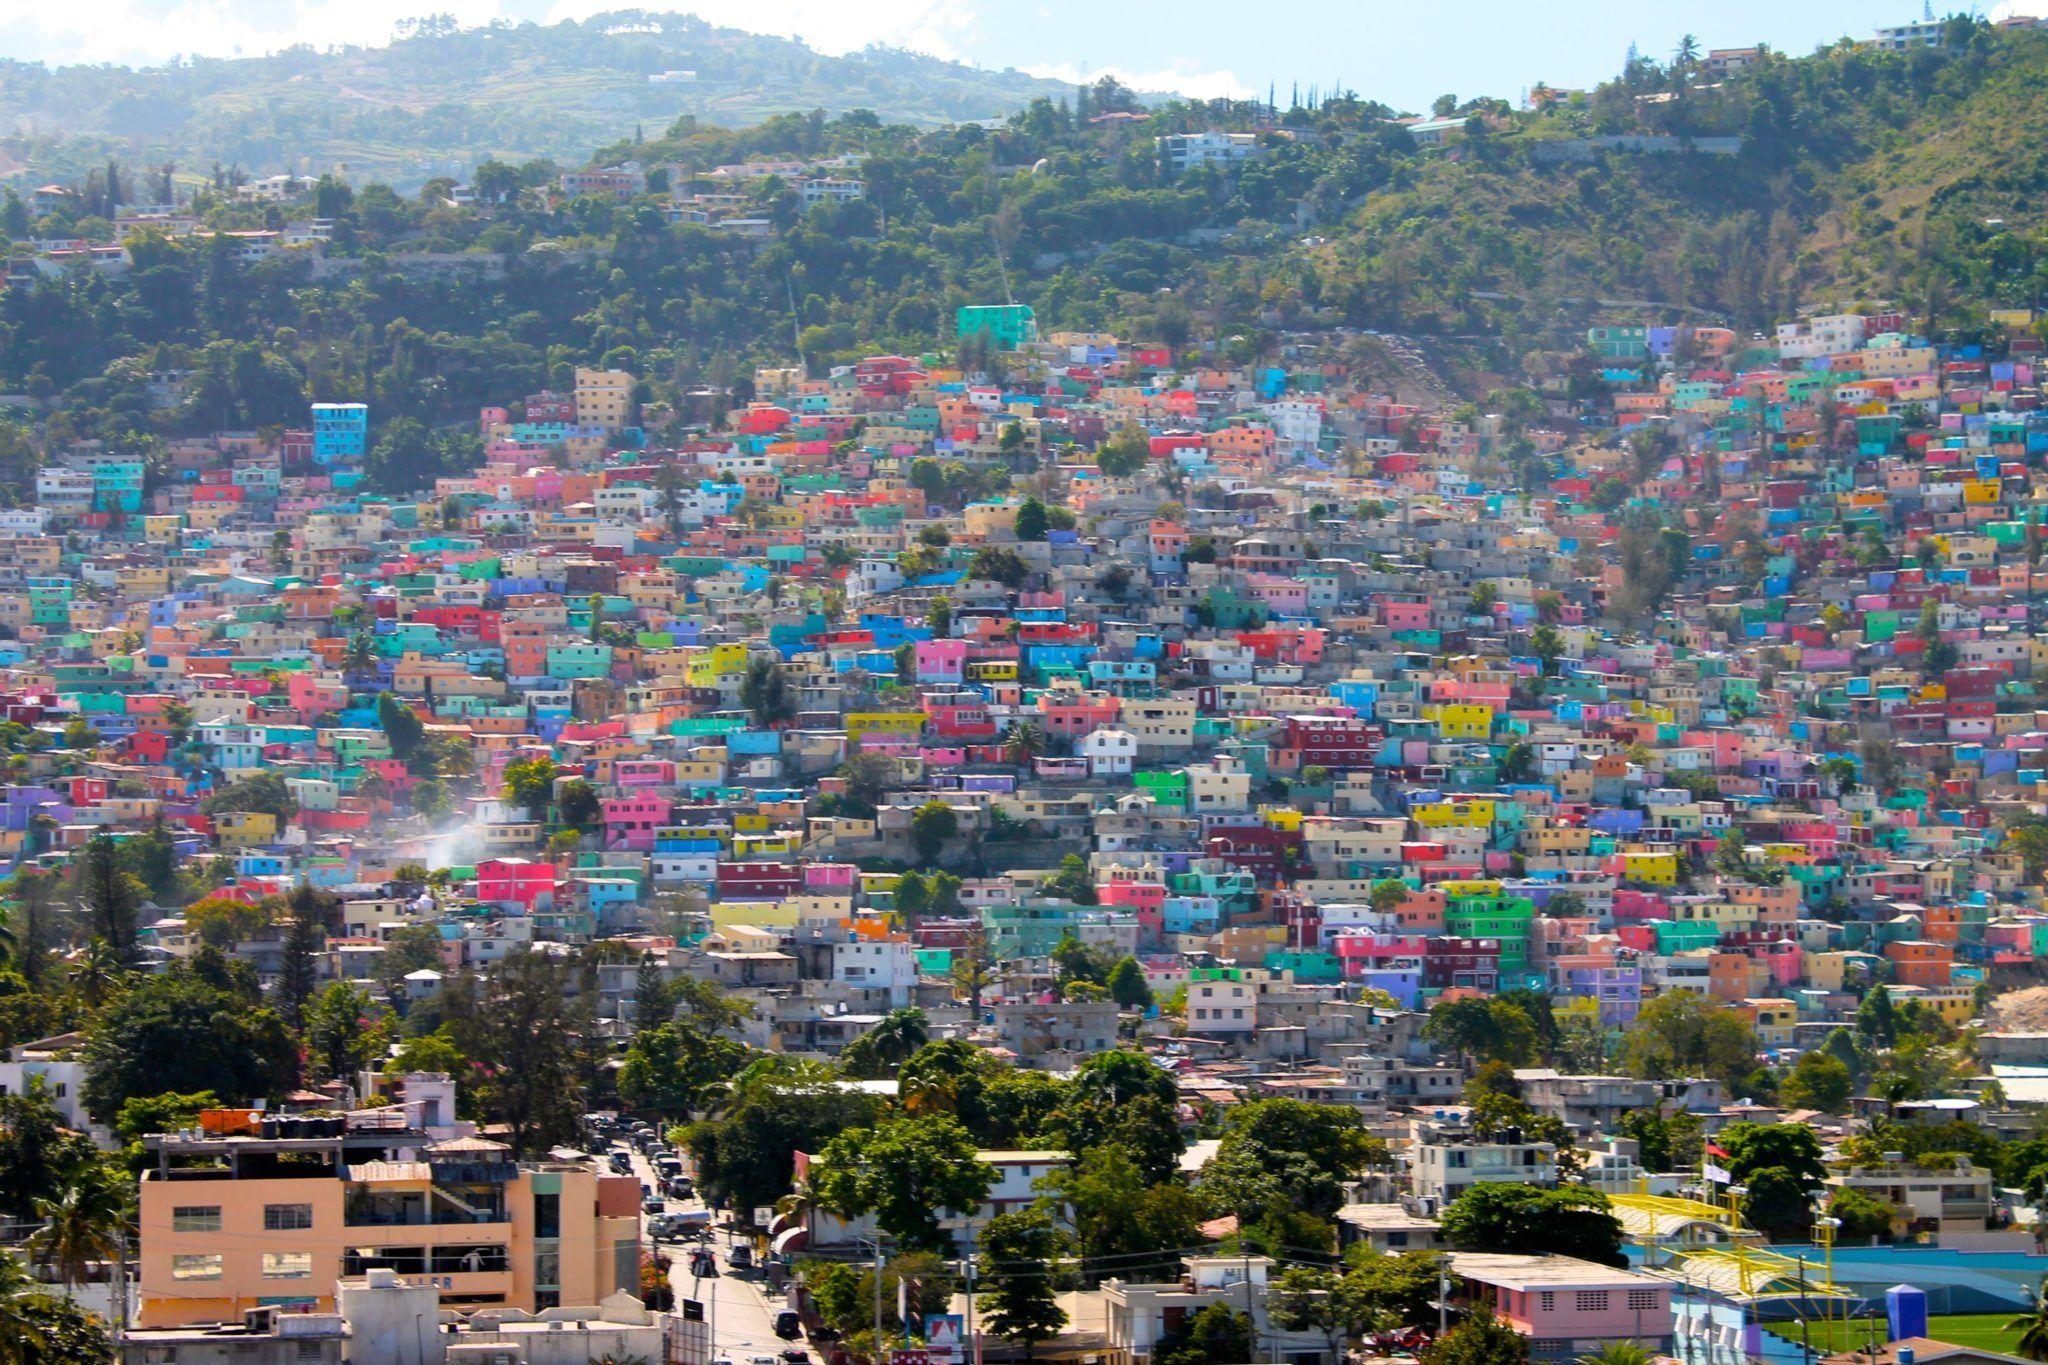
x,y
251,1210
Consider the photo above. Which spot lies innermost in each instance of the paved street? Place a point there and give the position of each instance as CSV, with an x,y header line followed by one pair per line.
x,y
742,1317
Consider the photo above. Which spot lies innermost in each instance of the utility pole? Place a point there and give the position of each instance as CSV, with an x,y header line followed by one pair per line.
x,y
1443,1295
120,1284
973,1341
878,1298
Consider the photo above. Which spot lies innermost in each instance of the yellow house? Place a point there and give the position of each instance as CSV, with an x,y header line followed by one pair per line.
x,y
907,724
1458,813
1650,869
1460,720
245,828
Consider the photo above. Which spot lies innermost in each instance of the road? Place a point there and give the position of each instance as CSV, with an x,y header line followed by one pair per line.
x,y
742,1316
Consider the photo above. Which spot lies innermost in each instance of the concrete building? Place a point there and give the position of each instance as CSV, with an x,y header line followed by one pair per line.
x,y
254,1210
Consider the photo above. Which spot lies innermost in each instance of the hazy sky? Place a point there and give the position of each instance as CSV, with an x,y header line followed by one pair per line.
x,y
1406,52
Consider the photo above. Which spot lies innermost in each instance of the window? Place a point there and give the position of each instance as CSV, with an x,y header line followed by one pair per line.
x,y
287,1265
311,1350
287,1217
1590,1300
202,1267
1643,1300
1549,1300
196,1218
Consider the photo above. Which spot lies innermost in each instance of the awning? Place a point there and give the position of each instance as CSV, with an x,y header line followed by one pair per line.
x,y
790,1241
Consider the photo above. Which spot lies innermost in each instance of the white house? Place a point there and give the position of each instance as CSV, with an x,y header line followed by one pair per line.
x,y
1110,753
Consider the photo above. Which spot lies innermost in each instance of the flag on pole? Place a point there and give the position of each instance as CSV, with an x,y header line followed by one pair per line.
x,y
1718,1174
1713,1150
903,1305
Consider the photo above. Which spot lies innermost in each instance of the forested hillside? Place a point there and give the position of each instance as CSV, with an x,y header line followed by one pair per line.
x,y
441,98
1861,176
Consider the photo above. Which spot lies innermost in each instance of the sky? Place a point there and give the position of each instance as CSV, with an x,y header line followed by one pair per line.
x,y
1405,52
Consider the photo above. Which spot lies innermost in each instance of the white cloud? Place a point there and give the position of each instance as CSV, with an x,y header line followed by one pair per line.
x,y
831,26
1180,80
2011,9
150,31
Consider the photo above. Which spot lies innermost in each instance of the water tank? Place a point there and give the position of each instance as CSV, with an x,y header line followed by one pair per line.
x,y
1905,1312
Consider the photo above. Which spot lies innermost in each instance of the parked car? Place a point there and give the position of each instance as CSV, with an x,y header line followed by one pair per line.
x,y
796,1355
789,1325
741,1257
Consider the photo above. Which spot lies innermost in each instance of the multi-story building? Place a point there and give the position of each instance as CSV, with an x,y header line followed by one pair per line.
x,y
1446,1160
253,1209
341,433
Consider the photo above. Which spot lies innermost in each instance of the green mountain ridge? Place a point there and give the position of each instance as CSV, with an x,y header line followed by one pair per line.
x,y
442,98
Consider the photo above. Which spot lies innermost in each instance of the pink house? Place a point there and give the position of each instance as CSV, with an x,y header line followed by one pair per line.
x,y
1566,1306
1133,895
644,772
828,877
1074,714
516,881
941,661
630,822
311,696
1405,615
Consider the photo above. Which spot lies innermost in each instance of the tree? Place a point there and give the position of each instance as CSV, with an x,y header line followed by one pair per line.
x,y
40,1328
34,899
906,1174
1032,520
305,938
931,826
177,1032
264,793
112,897
670,1068
1127,984
1862,1218
1877,1019
401,725
81,1224
580,806
340,1034
766,692
1123,454
1217,1335
999,564
880,1051
1791,1147
1819,1080
1619,1353
1779,1204
939,616
1019,1253
1127,1226
530,784
1491,1030
1679,1034
38,1153
1526,1220
1546,642
521,1036
1283,1157
745,1155
1023,742
2033,1326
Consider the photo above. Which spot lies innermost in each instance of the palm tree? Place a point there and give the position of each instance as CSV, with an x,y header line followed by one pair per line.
x,y
81,1226
1024,742
359,660
901,1033
97,972
2033,1326
26,1313
1618,1353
